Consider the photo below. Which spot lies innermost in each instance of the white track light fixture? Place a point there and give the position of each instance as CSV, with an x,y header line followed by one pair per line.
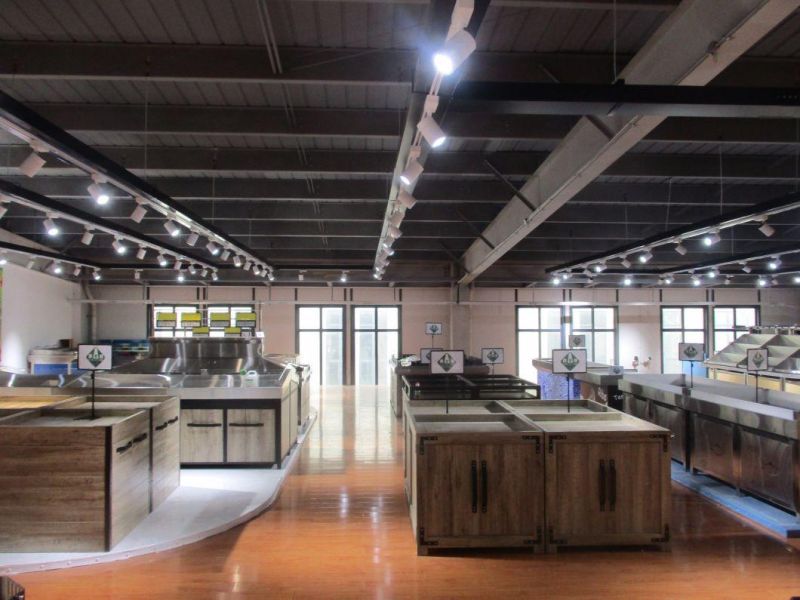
x,y
162,260
76,271
343,277
406,200
172,228
139,212
645,256
746,268
247,265
96,275
137,274
774,263
796,279
393,232
32,164
98,190
271,276
431,131
192,270
212,248
51,227
599,267
237,261
555,280
226,254
87,237
762,282
214,276
668,280
141,253
411,173
181,277
192,238
711,238
119,246
625,262
766,229
454,52
628,280
57,268
178,265
3,258
681,249
396,219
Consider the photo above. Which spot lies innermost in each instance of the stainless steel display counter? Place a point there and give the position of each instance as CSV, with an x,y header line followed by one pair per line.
x,y
721,430
783,369
472,366
599,383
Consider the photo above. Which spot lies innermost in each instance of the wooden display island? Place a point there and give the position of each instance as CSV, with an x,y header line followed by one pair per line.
x,y
535,474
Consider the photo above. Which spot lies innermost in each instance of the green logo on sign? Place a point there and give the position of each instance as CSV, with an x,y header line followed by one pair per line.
x,y
577,341
570,361
95,356
758,359
690,351
446,362
493,355
433,328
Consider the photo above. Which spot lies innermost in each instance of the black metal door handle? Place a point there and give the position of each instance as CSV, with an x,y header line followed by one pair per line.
x,y
602,482
246,424
484,486
204,424
612,484
474,478
140,438
125,448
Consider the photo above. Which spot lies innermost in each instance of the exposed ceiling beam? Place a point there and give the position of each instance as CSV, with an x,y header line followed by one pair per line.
x,y
695,43
186,162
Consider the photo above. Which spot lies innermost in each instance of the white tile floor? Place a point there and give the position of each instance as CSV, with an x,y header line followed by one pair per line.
x,y
209,501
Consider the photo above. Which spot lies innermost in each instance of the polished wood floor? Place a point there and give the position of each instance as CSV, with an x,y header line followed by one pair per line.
x,y
340,530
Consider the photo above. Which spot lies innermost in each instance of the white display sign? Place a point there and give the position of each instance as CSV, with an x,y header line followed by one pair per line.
x,y
94,357
577,340
447,362
492,356
425,355
569,361
691,352
757,359
433,329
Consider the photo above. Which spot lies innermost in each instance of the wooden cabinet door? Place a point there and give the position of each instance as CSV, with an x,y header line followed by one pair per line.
x,y
448,491
636,500
251,435
577,491
511,490
201,436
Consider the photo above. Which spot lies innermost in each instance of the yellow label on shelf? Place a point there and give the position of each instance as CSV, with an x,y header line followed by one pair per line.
x,y
200,331
191,319
166,319
233,331
220,318
246,319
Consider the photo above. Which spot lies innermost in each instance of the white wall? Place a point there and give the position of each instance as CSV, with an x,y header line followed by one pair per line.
x,y
37,310
490,312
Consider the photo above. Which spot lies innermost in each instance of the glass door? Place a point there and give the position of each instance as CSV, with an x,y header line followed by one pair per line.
x,y
376,339
320,342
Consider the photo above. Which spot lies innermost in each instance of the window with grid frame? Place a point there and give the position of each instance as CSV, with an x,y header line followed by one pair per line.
x,y
539,332
178,330
599,325
680,324
729,322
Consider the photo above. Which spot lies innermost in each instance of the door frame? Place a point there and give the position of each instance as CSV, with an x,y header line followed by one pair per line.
x,y
297,331
353,331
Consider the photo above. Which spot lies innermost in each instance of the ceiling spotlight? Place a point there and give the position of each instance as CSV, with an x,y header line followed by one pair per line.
x,y
57,268
728,279
762,282
681,249
556,280
256,270
396,219
247,265
712,237
96,275
387,243
766,229
301,276
796,279
774,263
137,274
343,277
3,258
393,232
431,131
204,273
141,253
172,228
376,275
599,267
32,164
76,271
119,246
454,52
406,199
212,248
775,281
668,280
388,251
625,262
192,238
98,191
226,254
139,212
712,274
695,280
214,275
745,267
411,173
177,265
162,261
192,270
271,276
181,277
565,275
87,237
50,227
628,280
645,256
237,261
